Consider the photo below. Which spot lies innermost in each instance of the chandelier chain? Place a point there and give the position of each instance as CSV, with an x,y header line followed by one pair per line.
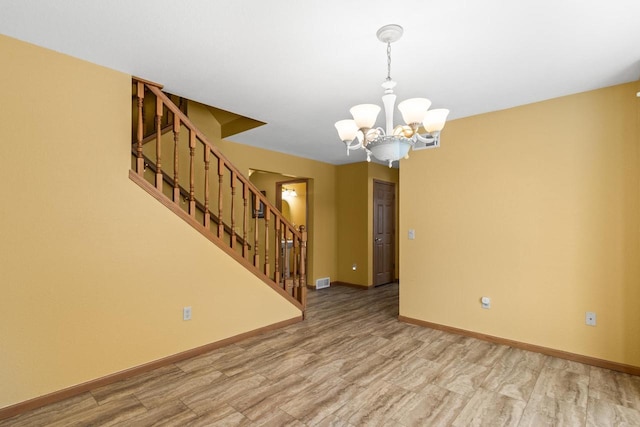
x,y
388,61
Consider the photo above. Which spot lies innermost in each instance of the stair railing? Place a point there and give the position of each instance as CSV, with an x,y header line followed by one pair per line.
x,y
228,209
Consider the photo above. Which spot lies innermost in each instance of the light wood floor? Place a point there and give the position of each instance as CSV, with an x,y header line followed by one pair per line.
x,y
352,363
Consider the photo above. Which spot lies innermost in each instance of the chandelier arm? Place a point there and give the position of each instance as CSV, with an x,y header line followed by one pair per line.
x,y
428,138
353,145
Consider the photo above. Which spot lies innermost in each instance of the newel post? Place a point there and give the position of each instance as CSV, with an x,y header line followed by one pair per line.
x,y
303,266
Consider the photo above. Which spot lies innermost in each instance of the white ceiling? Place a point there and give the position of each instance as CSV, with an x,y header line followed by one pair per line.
x,y
300,65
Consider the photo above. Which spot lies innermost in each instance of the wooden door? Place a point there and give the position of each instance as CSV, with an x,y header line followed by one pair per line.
x,y
384,196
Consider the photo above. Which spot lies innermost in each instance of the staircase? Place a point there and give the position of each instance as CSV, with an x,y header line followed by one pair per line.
x,y
175,163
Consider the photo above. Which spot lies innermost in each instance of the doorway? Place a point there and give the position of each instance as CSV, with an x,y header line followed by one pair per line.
x,y
384,196
292,201
297,210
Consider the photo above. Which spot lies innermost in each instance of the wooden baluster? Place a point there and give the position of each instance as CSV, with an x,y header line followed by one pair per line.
x,y
245,215
233,210
278,248
256,255
220,194
192,176
207,162
294,257
302,295
169,117
158,143
176,139
267,216
140,134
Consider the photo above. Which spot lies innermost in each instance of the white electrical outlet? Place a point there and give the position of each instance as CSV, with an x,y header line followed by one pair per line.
x,y
590,318
186,313
412,234
354,267
486,302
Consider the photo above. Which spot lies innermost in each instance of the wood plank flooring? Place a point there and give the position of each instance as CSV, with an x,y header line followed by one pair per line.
x,y
351,363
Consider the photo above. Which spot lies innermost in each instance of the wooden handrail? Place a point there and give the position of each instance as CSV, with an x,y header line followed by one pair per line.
x,y
202,137
147,82
278,250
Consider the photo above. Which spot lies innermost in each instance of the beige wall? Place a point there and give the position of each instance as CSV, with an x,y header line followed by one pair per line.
x,y
94,271
353,199
536,207
322,226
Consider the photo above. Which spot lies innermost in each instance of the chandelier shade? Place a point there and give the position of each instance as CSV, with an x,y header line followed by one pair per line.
x,y
392,143
365,115
414,109
347,129
434,120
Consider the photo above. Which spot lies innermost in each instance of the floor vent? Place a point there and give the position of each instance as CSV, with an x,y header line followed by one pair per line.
x,y
325,282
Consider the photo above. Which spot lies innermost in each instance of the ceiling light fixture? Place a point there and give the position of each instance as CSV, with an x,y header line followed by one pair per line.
x,y
394,143
289,192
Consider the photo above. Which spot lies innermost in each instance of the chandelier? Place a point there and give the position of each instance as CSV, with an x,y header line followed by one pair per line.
x,y
392,144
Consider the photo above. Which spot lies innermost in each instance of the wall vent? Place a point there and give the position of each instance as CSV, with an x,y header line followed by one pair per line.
x,y
325,282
